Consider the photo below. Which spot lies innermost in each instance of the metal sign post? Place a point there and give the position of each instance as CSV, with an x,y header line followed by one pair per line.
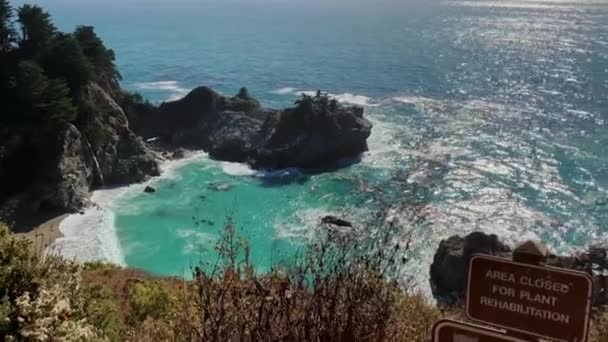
x,y
453,331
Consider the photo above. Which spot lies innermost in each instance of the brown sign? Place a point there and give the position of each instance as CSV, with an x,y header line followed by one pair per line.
x,y
546,302
452,331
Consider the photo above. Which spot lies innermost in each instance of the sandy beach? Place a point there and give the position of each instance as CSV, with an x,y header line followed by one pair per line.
x,y
45,234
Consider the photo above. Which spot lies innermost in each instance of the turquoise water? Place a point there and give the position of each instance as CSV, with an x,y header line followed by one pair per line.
x,y
493,113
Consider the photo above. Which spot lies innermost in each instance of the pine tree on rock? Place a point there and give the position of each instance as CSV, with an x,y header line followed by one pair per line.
x,y
37,30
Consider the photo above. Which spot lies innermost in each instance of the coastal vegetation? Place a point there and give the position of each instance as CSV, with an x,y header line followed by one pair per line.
x,y
44,71
337,291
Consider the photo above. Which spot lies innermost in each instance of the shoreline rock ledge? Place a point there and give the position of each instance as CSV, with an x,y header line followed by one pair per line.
x,y
450,268
314,134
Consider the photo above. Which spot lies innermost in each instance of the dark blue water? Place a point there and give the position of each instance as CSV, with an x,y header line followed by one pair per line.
x,y
495,109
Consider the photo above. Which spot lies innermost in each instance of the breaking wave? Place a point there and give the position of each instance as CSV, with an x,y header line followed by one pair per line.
x,y
174,90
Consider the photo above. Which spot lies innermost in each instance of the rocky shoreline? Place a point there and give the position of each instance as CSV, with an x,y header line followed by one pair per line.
x,y
117,143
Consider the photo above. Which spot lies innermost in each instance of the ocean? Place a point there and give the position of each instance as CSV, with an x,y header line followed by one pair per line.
x,y
493,112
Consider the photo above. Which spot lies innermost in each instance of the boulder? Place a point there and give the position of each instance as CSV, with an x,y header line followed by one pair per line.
x,y
149,190
450,268
336,221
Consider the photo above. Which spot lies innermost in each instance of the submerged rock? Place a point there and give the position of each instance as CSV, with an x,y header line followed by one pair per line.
x,y
215,186
314,134
149,190
336,221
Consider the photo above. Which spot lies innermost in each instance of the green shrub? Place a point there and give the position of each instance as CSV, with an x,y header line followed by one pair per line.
x,y
102,311
148,299
100,266
41,298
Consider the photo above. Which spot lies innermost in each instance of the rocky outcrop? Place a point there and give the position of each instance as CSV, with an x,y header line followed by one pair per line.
x,y
122,156
450,267
73,174
52,170
315,134
336,221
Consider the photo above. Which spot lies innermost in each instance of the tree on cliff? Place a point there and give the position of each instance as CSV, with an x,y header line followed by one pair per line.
x,y
65,59
101,58
43,74
42,100
333,105
7,33
305,104
37,30
243,93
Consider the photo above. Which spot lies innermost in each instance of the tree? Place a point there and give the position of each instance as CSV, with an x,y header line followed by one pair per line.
x,y
65,59
42,100
98,55
324,104
7,33
243,93
59,106
305,104
333,105
37,29
31,86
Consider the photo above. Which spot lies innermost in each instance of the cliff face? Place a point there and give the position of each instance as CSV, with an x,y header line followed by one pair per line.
x,y
315,134
54,171
122,156
72,175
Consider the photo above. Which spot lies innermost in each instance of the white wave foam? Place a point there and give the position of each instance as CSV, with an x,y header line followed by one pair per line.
x,y
284,91
384,149
92,235
237,169
346,98
173,87
358,100
288,172
419,101
168,167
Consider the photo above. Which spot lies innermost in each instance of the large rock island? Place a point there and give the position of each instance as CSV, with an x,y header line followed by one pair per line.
x,y
315,133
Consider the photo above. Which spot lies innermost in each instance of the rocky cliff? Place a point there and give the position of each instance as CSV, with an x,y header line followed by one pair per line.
x,y
53,171
122,156
314,134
